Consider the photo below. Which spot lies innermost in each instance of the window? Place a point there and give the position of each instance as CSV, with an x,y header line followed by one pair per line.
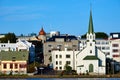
x,y
60,62
115,50
90,44
103,48
74,45
22,65
60,56
67,56
4,65
56,56
49,45
16,65
11,66
49,50
60,68
56,62
59,46
90,51
68,62
115,45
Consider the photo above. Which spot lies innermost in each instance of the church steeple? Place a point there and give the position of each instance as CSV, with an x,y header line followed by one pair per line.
x,y
90,33
90,29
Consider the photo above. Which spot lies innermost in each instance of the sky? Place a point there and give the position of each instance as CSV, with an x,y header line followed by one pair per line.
x,y
67,16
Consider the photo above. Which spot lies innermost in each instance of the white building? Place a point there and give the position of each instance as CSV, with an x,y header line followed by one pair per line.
x,y
61,58
18,46
90,59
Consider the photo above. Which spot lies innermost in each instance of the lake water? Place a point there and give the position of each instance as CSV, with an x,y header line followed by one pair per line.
x,y
65,79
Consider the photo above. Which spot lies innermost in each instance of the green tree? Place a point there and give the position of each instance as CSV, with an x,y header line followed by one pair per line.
x,y
9,37
100,35
68,69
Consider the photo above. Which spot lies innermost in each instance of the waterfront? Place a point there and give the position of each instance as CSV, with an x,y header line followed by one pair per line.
x,y
64,79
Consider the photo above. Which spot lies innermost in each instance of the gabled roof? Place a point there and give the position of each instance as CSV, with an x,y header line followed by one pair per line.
x,y
90,29
13,55
91,58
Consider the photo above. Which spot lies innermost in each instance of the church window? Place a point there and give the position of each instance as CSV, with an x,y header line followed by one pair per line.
x,y
90,51
90,44
90,37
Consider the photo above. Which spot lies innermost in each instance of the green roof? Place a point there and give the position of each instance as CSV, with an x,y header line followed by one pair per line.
x,y
14,55
91,58
90,29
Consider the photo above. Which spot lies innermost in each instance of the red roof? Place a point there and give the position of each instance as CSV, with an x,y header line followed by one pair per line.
x,y
42,32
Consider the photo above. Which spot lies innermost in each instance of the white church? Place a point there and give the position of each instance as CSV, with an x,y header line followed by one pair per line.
x,y
89,60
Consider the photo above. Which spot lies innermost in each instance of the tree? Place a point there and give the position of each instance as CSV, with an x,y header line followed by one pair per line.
x,y
9,37
68,69
100,35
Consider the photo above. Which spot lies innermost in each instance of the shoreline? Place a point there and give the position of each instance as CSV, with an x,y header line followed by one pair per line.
x,y
58,76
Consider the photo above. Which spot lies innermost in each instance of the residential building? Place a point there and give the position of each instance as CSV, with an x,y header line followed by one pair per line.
x,y
115,46
59,42
13,62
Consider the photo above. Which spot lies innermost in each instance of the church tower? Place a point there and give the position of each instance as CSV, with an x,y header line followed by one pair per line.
x,y
91,36
42,35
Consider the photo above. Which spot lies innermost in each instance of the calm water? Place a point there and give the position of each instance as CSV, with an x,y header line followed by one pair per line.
x,y
66,79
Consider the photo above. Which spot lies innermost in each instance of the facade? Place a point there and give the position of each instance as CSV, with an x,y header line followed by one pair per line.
x,y
61,58
59,42
115,46
89,59
14,62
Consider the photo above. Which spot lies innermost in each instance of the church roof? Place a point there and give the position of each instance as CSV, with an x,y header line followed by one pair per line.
x,y
90,29
42,32
91,58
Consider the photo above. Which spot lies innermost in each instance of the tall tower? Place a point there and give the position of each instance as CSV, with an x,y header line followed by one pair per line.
x,y
91,36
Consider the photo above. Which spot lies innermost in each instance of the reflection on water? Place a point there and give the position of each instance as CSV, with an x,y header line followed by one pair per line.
x,y
65,79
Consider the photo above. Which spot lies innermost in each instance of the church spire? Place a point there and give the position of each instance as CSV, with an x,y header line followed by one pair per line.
x,y
90,29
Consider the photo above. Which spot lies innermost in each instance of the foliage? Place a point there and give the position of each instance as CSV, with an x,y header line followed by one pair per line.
x,y
100,35
68,69
31,67
9,37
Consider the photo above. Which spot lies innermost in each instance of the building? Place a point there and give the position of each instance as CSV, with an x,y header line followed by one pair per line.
x,y
59,42
61,58
88,60
115,46
13,62
20,45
